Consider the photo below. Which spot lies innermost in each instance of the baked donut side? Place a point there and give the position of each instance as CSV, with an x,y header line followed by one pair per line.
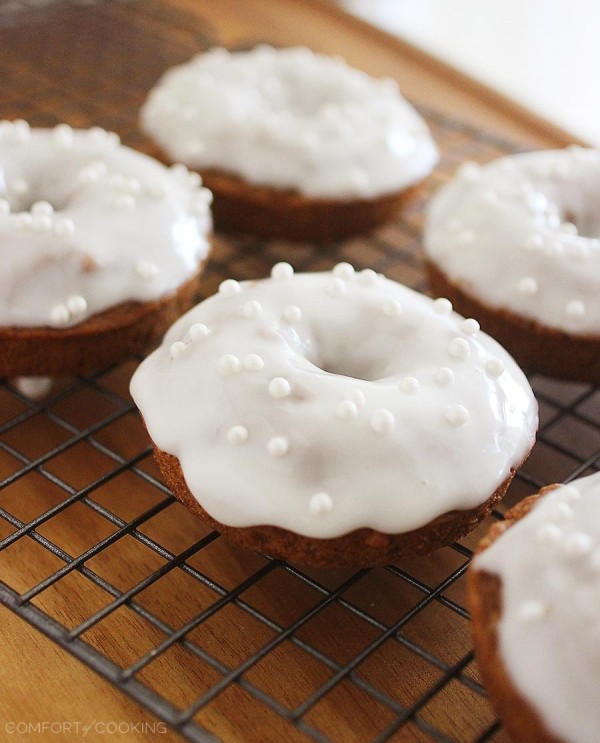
x,y
360,548
535,346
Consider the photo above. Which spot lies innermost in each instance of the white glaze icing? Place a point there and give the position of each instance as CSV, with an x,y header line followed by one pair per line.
x,y
290,118
549,629
523,233
331,388
73,245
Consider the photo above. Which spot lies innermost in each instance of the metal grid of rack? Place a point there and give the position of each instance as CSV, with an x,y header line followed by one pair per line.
x,y
119,574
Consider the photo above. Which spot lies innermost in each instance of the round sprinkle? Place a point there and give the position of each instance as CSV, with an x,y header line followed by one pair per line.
x,y
59,315
569,228
577,544
343,271
146,270
531,611
367,277
548,533
409,385
320,504
229,364
278,446
281,271
41,223
19,186
527,286
198,331
470,326
292,314
279,388
252,310
383,421
43,208
177,349
469,171
62,134
4,207
346,410
253,362
392,308
444,377
494,368
561,511
237,435
64,227
126,202
575,309
442,306
570,493
459,348
77,304
229,288
132,184
357,396
335,287
23,219
456,415
577,250
534,243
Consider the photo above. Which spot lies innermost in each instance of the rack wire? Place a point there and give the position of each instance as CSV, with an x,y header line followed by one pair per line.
x,y
205,635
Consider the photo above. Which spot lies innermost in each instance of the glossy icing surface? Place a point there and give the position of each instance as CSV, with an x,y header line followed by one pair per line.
x,y
340,133
86,224
523,233
549,630
327,402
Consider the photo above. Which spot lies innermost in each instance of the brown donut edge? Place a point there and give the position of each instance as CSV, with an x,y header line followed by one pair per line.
x,y
103,339
484,599
360,548
535,346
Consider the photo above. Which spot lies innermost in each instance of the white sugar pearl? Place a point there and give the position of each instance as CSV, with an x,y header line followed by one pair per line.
x,y
470,326
64,227
59,315
570,494
198,331
409,385
126,202
577,544
548,533
229,288
41,223
320,504
444,377
23,220
132,184
19,186
35,388
367,277
253,362
335,287
343,271
383,421
527,286
494,368
292,314
531,611
357,396
4,207
346,410
459,348
279,387
146,270
391,308
252,310
282,271
561,511
229,364
278,446
469,171
534,243
43,208
177,349
575,309
456,415
62,135
158,189
77,304
442,306
237,435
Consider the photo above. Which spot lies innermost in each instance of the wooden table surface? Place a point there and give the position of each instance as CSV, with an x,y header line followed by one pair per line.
x,y
40,681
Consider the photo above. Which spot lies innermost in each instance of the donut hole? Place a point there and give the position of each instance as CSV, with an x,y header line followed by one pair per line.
x,y
363,364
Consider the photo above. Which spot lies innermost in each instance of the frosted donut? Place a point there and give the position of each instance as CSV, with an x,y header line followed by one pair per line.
x,y
294,144
101,248
334,418
516,243
534,593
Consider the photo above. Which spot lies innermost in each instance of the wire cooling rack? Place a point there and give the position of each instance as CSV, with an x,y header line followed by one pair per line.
x,y
216,641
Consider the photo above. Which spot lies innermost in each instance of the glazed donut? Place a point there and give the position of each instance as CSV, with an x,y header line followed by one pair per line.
x,y
294,144
516,243
341,407
534,592
102,246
